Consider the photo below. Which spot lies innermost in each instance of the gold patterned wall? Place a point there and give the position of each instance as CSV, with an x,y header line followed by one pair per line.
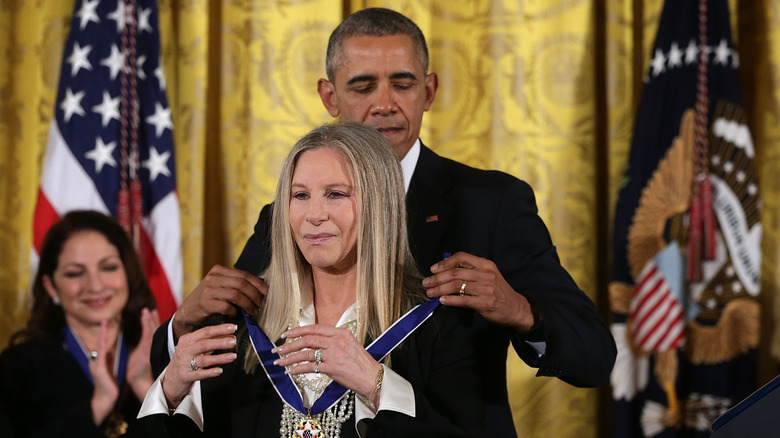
x,y
543,89
32,35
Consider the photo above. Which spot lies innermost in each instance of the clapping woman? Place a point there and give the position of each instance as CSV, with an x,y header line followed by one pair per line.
x,y
81,365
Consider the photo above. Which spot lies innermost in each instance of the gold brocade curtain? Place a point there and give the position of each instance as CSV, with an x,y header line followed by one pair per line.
x,y
543,89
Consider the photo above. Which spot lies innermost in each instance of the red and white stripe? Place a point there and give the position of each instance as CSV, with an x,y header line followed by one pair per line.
x,y
656,320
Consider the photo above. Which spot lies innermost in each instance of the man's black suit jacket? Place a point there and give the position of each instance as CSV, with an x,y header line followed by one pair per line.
x,y
453,207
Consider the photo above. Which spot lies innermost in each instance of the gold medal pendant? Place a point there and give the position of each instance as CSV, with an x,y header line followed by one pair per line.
x,y
115,425
308,427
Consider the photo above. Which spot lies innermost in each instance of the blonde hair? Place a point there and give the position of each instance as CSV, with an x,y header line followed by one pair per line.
x,y
388,283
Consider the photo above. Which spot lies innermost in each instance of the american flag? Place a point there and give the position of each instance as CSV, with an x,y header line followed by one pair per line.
x,y
110,145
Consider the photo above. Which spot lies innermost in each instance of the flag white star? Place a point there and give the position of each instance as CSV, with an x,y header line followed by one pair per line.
x,y
72,104
160,75
161,119
157,163
691,52
102,154
108,109
119,15
722,53
78,59
115,62
658,62
143,20
88,13
139,67
707,51
675,56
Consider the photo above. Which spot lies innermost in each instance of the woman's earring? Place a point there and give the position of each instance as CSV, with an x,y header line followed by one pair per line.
x,y
57,301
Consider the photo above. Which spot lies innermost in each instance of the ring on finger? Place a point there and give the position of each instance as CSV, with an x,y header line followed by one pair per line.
x,y
318,355
194,363
462,288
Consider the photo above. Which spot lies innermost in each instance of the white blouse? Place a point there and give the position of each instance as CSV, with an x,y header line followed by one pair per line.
x,y
397,394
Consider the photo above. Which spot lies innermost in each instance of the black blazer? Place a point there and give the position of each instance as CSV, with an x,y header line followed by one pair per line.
x,y
46,394
438,359
453,207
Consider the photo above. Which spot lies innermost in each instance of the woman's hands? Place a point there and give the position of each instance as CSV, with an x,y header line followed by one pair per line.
x,y
343,358
193,360
139,368
138,372
106,389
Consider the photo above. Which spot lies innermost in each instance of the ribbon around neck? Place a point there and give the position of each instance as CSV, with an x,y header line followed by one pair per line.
x,y
79,352
381,347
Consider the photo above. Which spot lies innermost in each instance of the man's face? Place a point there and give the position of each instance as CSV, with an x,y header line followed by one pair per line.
x,y
381,82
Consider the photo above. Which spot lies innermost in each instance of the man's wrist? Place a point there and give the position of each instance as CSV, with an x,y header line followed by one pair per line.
x,y
180,327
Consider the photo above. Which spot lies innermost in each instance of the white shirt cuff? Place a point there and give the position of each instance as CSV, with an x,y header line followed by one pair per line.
x,y
396,395
155,403
171,344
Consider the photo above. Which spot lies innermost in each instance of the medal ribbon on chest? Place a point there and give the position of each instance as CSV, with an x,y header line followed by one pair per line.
x,y
82,356
289,392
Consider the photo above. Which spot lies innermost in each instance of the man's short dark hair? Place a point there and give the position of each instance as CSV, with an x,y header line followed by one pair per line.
x,y
377,22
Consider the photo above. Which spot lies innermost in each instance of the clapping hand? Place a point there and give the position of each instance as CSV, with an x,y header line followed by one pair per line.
x,y
139,368
101,368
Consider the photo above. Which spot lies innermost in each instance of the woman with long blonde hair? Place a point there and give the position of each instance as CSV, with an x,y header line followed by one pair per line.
x,y
357,348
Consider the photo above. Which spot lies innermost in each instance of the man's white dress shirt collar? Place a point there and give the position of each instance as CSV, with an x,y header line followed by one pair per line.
x,y
409,163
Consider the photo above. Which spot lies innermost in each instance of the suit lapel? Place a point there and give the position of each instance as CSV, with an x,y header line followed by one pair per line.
x,y
428,208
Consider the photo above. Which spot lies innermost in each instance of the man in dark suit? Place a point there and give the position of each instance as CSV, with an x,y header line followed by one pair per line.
x,y
475,234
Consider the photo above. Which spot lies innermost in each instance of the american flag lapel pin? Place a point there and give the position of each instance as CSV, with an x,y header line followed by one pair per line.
x,y
432,218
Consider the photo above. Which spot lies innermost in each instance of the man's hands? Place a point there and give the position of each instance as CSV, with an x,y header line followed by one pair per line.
x,y
485,291
222,291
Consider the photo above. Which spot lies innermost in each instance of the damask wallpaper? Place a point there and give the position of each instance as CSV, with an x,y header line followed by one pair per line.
x,y
543,89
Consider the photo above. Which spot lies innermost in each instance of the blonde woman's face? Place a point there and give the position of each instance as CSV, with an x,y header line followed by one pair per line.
x,y
323,210
90,280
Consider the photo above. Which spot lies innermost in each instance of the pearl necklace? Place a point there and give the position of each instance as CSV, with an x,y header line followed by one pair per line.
x,y
330,420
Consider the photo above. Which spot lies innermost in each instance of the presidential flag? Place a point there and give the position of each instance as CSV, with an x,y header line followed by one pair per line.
x,y
687,236
110,145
